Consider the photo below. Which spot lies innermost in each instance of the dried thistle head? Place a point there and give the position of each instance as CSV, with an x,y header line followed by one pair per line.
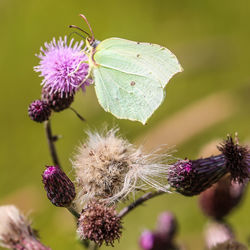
x,y
99,223
16,231
108,168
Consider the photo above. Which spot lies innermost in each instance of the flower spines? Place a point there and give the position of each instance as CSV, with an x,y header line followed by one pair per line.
x,y
39,111
237,159
99,223
60,189
192,177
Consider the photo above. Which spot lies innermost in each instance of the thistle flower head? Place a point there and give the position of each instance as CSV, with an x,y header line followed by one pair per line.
x,y
60,190
57,101
108,168
39,111
218,200
237,159
192,177
16,231
61,65
99,223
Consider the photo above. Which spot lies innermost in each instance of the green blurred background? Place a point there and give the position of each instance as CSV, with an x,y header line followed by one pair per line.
x,y
208,100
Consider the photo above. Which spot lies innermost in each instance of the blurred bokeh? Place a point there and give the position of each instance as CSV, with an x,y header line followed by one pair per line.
x,y
210,99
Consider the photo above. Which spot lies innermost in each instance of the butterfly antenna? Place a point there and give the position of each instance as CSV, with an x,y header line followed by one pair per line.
x,y
74,32
86,20
76,27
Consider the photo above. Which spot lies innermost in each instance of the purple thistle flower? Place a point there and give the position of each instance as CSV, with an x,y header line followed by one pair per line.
x,y
61,66
60,189
39,111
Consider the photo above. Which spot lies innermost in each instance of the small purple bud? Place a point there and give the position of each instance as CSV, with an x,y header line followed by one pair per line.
x,y
60,189
147,240
57,101
218,200
39,111
166,225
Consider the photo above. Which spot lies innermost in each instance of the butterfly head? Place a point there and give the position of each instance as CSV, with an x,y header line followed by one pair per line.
x,y
90,39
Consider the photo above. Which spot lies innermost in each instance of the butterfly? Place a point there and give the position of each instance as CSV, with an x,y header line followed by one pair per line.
x,y
129,77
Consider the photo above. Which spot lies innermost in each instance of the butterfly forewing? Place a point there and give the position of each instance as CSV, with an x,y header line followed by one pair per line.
x,y
150,60
130,77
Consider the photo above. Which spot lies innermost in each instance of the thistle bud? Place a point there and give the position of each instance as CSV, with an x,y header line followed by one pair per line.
x,y
166,225
60,189
57,101
39,111
218,200
99,223
192,177
147,240
16,231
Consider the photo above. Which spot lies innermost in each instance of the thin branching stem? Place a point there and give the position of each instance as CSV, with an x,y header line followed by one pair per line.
x,y
138,202
51,144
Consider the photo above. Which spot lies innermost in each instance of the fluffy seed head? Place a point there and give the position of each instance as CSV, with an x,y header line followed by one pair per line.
x,y
216,233
57,101
99,223
218,200
61,65
237,159
108,168
39,111
16,231
192,177
60,189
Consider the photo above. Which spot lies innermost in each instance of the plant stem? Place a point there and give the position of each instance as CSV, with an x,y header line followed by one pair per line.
x,y
52,148
92,246
138,202
73,212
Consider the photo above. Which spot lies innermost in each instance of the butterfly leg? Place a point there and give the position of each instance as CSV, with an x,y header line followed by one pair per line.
x,y
85,79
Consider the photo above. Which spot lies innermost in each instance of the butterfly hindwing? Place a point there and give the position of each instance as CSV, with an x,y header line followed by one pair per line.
x,y
127,96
